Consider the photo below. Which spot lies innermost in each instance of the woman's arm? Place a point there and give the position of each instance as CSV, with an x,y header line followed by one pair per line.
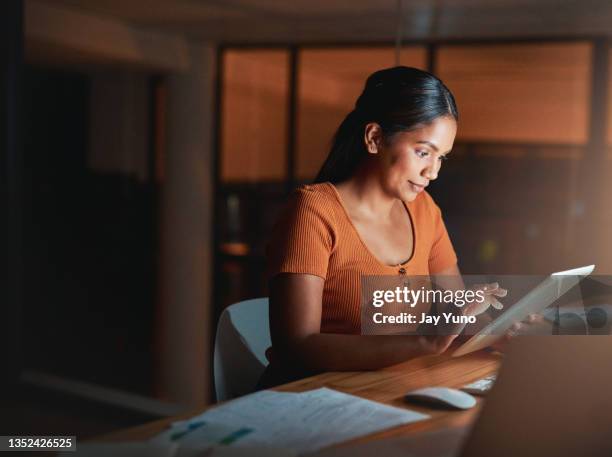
x,y
295,326
449,279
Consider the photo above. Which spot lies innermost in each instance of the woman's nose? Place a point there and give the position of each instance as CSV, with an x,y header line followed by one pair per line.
x,y
430,172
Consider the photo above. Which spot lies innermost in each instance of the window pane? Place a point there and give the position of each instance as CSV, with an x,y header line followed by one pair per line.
x,y
529,92
254,119
609,110
330,80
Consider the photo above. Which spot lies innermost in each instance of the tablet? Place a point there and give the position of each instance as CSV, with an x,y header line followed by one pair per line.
x,y
539,298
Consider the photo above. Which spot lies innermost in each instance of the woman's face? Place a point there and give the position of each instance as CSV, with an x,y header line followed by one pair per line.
x,y
411,160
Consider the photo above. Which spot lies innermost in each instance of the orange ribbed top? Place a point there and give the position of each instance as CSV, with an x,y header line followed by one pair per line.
x,y
315,235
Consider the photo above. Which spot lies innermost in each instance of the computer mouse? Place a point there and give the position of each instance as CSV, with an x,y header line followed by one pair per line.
x,y
441,397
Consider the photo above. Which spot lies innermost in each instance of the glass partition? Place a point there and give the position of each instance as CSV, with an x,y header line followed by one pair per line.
x,y
254,115
329,82
531,93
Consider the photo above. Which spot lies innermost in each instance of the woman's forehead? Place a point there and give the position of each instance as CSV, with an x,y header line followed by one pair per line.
x,y
438,134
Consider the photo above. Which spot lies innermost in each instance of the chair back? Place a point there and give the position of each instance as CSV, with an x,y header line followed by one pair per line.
x,y
243,335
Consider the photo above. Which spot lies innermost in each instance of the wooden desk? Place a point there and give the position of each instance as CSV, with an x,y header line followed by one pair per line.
x,y
386,386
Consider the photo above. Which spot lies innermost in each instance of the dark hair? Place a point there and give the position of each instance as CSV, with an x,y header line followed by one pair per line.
x,y
399,99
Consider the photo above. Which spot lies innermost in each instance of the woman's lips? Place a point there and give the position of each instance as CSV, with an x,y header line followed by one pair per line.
x,y
416,187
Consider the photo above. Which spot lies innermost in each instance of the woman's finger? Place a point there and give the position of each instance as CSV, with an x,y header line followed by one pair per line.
x,y
495,303
485,286
488,287
492,289
499,292
533,318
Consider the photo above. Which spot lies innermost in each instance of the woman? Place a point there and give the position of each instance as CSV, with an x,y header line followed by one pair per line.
x,y
367,214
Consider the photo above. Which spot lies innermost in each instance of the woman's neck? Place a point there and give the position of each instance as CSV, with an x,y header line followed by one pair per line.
x,y
364,194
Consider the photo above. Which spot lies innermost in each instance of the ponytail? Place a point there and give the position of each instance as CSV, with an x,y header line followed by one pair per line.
x,y
347,151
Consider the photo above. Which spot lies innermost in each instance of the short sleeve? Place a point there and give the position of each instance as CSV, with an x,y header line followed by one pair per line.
x,y
442,254
303,238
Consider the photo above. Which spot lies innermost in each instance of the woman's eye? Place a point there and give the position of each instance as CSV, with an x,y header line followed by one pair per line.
x,y
443,157
421,153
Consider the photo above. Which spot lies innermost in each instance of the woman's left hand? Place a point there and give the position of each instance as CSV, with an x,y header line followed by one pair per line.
x,y
527,326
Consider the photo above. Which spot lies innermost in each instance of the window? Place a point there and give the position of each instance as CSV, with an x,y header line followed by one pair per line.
x,y
330,80
254,115
536,93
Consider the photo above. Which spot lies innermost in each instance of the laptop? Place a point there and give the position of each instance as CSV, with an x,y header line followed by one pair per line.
x,y
552,397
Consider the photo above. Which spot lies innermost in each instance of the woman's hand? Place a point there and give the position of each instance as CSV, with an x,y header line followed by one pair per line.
x,y
491,292
526,326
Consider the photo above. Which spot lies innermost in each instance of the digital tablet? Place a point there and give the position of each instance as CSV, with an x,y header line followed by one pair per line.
x,y
539,298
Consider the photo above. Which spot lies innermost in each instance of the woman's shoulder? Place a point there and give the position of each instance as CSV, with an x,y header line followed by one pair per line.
x,y
308,219
322,190
313,205
319,196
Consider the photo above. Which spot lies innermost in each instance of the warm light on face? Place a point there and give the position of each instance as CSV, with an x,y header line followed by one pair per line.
x,y
413,159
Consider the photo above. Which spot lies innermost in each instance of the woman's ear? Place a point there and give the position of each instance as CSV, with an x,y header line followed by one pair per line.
x,y
372,137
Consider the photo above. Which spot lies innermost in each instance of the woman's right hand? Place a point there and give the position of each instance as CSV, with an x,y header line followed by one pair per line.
x,y
490,291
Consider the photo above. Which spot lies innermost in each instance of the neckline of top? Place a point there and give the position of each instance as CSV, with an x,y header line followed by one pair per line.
x,y
365,246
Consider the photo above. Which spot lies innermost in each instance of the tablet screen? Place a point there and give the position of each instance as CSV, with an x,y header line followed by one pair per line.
x,y
535,301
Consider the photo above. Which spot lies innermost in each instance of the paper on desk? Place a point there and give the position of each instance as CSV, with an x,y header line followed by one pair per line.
x,y
199,438
126,449
240,451
304,422
150,449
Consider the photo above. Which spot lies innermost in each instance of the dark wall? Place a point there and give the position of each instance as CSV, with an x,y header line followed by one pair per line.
x,y
11,56
90,246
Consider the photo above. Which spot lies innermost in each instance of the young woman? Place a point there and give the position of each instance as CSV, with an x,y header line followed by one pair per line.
x,y
368,213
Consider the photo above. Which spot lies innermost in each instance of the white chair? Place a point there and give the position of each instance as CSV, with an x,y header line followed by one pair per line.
x,y
243,335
